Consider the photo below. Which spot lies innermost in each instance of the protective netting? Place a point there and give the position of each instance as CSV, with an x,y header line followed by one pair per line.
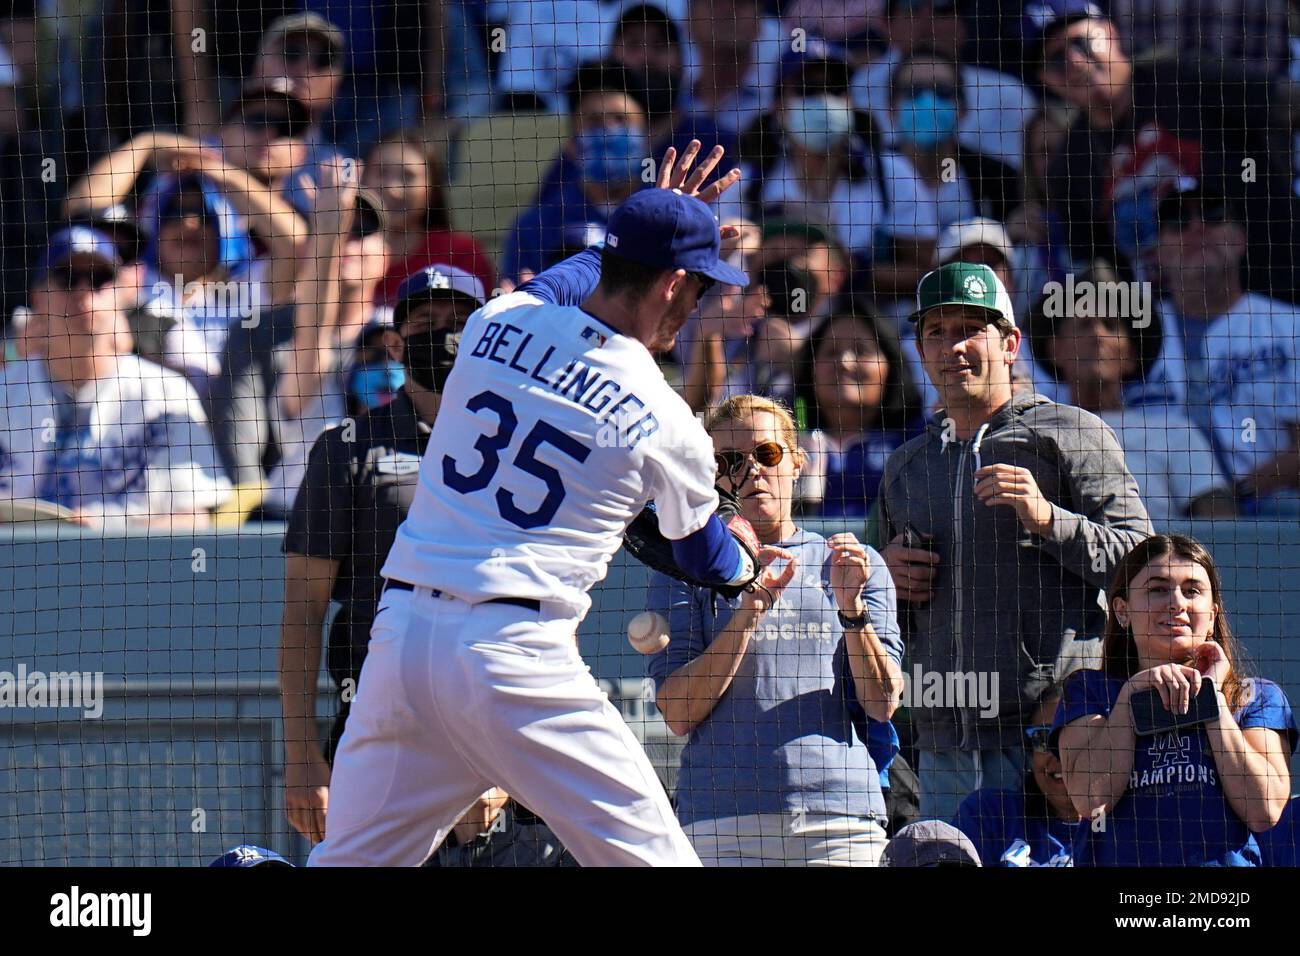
x,y
1021,306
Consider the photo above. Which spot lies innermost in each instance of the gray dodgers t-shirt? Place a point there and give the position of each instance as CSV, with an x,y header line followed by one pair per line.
x,y
781,738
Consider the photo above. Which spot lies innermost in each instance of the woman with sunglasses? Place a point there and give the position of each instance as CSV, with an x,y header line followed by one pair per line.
x,y
855,396
1197,794
1035,825
775,688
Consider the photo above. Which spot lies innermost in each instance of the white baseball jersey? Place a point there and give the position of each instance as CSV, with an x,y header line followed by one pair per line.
x,y
553,433
133,444
1252,361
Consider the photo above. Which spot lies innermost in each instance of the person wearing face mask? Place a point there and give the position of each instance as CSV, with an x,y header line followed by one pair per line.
x,y
1035,825
599,166
930,180
816,167
356,491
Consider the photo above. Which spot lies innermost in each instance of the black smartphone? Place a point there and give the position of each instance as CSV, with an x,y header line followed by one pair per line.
x,y
914,539
1151,717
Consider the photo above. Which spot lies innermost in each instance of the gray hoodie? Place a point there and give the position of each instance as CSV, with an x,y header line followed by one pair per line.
x,y
1006,602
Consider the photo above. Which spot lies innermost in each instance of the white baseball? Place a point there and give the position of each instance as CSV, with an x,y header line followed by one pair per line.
x,y
648,632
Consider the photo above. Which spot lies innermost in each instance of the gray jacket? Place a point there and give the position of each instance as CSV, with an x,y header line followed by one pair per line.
x,y
1006,603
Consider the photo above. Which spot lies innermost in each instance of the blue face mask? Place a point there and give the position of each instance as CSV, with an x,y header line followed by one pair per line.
x,y
819,123
927,119
611,156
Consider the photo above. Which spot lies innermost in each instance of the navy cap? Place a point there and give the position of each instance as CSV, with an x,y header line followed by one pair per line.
x,y
435,282
815,50
76,241
1044,16
669,230
249,855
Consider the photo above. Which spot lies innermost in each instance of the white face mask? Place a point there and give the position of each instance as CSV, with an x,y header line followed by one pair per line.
x,y
819,123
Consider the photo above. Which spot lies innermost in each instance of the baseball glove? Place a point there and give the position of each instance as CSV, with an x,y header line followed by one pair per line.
x,y
647,544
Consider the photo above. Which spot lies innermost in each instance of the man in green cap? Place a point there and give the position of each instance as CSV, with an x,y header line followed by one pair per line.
x,y
1004,521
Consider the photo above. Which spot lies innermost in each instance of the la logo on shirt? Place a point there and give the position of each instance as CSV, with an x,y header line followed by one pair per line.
x,y
1171,760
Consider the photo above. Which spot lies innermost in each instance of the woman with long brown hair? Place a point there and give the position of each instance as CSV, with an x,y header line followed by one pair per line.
x,y
1190,796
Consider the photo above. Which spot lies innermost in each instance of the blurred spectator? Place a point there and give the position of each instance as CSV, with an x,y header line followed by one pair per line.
x,y
855,404
1001,559
930,843
1146,130
114,439
1243,370
1279,845
1095,351
310,53
1245,31
498,832
545,42
1191,796
406,172
265,131
997,105
1042,253
931,181
1035,824
835,20
821,171
356,491
602,163
777,769
334,301
732,61
248,420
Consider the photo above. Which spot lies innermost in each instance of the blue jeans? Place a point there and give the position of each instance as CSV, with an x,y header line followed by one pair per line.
x,y
948,776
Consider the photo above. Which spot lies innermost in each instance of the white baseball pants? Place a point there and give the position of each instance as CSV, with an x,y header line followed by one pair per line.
x,y
457,698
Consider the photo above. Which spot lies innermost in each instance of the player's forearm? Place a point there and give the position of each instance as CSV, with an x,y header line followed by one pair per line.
x,y
691,692
877,679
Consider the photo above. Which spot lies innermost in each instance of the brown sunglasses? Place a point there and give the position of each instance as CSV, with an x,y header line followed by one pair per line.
x,y
732,463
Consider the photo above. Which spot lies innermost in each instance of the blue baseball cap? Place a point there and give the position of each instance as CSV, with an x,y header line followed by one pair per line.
x,y
436,282
669,230
815,50
1044,16
67,244
249,855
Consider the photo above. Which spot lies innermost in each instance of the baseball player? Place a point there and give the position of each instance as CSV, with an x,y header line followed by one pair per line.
x,y
556,428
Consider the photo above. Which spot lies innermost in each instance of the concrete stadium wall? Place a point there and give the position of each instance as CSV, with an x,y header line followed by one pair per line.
x,y
185,759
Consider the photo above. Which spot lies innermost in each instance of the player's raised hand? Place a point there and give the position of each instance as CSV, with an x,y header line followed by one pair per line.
x,y
307,795
675,173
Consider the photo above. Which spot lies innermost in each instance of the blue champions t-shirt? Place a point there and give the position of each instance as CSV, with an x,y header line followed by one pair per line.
x,y
782,738
1005,834
1174,812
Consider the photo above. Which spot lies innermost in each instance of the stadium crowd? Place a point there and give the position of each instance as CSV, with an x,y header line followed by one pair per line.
x,y
233,233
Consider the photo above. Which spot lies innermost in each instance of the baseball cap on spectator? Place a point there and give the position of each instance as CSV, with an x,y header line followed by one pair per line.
x,y
435,282
119,223
963,283
298,24
969,233
275,90
249,855
820,66
667,229
930,843
1044,17
76,242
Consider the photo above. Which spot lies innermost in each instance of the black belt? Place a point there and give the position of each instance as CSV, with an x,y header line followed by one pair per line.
x,y
530,604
